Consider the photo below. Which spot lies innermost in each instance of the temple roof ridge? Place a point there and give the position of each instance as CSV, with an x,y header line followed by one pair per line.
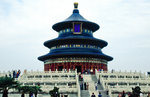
x,y
75,17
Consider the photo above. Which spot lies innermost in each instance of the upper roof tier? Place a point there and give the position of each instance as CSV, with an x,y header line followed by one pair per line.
x,y
76,17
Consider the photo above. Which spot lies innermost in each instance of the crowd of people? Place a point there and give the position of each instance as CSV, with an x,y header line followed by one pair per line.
x,y
14,74
129,94
99,95
85,85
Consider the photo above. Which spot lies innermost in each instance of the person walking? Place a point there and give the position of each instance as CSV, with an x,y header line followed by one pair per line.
x,y
81,86
119,95
99,95
87,86
123,94
141,94
93,95
84,85
129,94
22,95
95,86
99,81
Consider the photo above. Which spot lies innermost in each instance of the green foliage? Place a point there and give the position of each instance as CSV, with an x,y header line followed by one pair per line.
x,y
24,89
28,89
35,89
136,91
54,92
8,83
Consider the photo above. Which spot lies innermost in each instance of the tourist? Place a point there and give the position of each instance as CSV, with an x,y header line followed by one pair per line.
x,y
80,86
88,71
141,94
107,92
91,71
22,95
87,86
99,81
81,77
30,94
148,95
99,95
84,85
9,74
119,95
93,95
14,74
18,73
123,94
129,94
95,86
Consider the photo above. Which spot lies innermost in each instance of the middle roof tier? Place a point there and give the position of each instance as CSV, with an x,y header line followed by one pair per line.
x,y
75,40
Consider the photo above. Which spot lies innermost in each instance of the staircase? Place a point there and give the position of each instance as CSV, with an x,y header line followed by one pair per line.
x,y
85,93
91,79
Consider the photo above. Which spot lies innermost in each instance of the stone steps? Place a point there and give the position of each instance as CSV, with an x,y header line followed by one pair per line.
x,y
92,79
85,93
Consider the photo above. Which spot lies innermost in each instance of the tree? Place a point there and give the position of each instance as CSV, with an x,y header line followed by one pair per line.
x,y
30,90
35,90
54,92
23,90
7,83
136,91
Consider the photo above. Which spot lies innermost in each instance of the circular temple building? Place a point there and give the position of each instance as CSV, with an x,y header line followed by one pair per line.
x,y
75,47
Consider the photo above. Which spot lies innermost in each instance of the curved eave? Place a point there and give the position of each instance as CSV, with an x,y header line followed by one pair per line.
x,y
75,40
77,54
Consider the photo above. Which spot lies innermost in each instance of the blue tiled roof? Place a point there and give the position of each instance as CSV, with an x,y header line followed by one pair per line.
x,y
80,52
75,40
75,17
68,38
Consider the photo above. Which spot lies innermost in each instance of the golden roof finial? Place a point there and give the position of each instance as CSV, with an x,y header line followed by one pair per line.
x,y
75,5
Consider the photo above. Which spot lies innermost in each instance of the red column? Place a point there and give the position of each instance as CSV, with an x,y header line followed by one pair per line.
x,y
85,66
56,65
66,66
86,63
97,66
70,65
46,66
105,67
74,65
52,67
102,66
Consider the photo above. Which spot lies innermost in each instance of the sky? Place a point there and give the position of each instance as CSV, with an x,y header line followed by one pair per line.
x,y
26,24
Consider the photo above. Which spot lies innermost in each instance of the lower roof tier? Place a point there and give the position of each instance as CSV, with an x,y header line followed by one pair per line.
x,y
75,40
75,52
